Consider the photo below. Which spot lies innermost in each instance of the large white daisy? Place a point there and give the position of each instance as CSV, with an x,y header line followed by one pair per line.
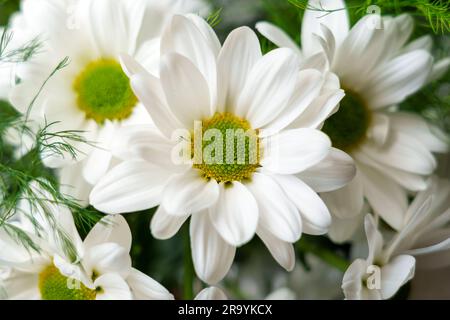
x,y
378,69
230,87
91,94
99,268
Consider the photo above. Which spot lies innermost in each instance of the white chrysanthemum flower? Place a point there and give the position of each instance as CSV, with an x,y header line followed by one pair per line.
x,y
424,237
230,87
100,270
378,70
91,94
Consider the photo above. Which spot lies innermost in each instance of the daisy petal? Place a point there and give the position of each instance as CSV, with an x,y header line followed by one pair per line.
x,y
283,252
212,256
145,288
397,79
211,293
112,229
277,213
239,54
394,275
293,151
189,193
337,21
269,87
235,215
348,201
332,173
164,226
113,287
185,88
315,216
386,197
129,187
277,36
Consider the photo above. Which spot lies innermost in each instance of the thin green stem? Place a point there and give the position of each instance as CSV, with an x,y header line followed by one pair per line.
x,y
188,278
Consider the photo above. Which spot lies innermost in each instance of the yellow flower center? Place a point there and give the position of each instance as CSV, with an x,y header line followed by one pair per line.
x,y
54,286
103,91
229,149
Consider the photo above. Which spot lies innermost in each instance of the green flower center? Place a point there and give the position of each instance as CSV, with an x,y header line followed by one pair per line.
x,y
54,286
347,128
103,91
228,150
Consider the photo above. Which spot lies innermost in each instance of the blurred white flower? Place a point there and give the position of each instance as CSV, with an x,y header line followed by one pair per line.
x,y
423,241
91,95
98,268
378,69
230,87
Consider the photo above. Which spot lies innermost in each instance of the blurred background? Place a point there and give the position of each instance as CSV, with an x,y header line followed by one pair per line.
x,y
321,263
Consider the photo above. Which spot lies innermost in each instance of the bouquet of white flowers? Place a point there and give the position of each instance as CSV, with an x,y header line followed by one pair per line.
x,y
161,149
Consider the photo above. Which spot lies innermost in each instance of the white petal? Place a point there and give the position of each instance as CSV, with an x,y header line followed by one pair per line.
x,y
308,86
164,226
189,193
150,92
186,89
378,131
359,53
277,36
269,87
348,201
99,160
239,54
337,22
352,283
277,213
407,180
316,218
415,126
73,184
283,252
293,151
374,238
439,69
145,288
394,275
113,287
21,286
402,152
129,187
206,31
185,38
332,173
211,293
386,197
320,109
235,215
113,229
107,258
212,256
397,79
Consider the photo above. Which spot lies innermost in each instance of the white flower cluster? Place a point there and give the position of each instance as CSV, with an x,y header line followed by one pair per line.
x,y
150,84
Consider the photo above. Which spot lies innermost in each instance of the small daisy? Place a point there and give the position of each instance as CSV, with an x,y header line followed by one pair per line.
x,y
424,240
92,94
100,269
378,70
228,88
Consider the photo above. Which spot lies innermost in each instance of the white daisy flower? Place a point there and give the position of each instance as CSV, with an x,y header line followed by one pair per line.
x,y
234,87
100,269
378,70
425,237
91,94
